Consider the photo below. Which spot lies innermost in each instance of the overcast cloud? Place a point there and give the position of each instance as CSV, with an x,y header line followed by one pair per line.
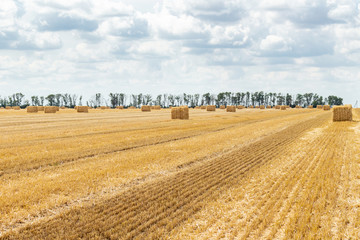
x,y
167,46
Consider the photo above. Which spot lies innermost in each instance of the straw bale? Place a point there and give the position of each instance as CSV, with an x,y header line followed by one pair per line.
x,y
268,106
342,113
16,107
283,107
251,106
262,106
326,107
319,107
131,107
231,108
62,107
32,109
240,107
145,108
157,107
82,109
180,112
40,108
310,107
222,106
210,108
277,107
203,107
102,107
7,107
120,107
50,109
197,107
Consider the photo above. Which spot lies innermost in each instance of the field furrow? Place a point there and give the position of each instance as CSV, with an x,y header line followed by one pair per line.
x,y
152,210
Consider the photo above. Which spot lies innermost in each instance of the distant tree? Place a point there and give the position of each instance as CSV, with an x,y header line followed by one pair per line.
x,y
334,100
51,99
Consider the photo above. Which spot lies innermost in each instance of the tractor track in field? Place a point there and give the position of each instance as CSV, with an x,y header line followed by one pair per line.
x,y
151,210
96,152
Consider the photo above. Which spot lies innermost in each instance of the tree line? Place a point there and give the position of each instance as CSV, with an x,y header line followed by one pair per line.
x,y
166,100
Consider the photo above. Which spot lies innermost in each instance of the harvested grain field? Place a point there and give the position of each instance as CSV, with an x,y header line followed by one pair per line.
x,y
124,174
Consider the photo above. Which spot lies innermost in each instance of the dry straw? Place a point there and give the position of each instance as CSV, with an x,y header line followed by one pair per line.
x,y
131,107
157,107
41,108
16,108
180,112
62,107
50,109
222,107
203,107
277,107
310,107
319,107
240,107
262,106
297,106
231,109
8,107
210,108
342,113
283,107
326,107
145,108
120,107
268,106
197,107
103,107
82,109
250,106
32,109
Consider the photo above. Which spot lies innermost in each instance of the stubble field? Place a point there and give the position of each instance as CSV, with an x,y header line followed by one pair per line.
x,y
127,174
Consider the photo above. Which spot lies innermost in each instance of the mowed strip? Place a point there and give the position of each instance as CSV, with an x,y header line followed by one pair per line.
x,y
35,193
153,209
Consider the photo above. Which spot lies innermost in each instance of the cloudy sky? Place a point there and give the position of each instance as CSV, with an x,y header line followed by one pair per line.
x,y
168,46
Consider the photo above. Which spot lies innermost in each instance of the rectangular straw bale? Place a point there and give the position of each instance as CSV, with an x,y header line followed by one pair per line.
x,y
50,109
131,107
222,106
120,107
82,109
102,107
277,107
251,106
319,107
40,108
8,107
326,107
283,107
268,106
240,107
262,106
62,107
145,108
342,113
310,107
231,109
203,107
16,107
180,112
157,107
32,109
210,108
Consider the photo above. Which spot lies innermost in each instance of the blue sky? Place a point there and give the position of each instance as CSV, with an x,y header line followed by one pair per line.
x,y
192,46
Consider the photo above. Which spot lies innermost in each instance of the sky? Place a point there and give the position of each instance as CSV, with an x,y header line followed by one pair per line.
x,y
191,46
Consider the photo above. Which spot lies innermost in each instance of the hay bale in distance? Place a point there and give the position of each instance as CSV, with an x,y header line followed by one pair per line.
x,y
40,108
262,106
230,109
145,108
197,107
240,107
326,107
210,108
277,107
180,112
342,113
62,107
283,107
7,107
131,107
203,107
250,106
50,109
319,107
157,107
310,107
82,109
16,107
120,107
222,106
32,109
268,106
